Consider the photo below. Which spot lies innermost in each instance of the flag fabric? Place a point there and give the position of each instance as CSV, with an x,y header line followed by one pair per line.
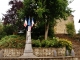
x,y
25,23
32,21
29,23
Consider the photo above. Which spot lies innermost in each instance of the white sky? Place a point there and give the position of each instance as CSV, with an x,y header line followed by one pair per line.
x,y
75,5
3,7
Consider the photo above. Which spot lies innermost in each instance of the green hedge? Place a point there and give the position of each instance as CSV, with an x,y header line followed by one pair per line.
x,y
12,41
55,42
16,41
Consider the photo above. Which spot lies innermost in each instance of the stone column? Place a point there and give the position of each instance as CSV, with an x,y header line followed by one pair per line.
x,y
28,51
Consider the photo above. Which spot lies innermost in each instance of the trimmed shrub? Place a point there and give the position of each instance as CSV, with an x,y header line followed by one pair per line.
x,y
65,43
36,43
49,43
16,41
12,41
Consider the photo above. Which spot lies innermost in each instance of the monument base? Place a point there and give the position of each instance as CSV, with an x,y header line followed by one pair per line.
x,y
28,51
26,55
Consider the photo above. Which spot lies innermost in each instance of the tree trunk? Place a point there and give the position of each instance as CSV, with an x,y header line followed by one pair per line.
x,y
46,30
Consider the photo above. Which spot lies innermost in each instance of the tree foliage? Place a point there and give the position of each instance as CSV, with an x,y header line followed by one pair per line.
x,y
11,16
70,29
2,32
46,11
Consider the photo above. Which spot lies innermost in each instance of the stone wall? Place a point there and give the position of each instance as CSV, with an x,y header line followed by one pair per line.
x,y
60,27
40,52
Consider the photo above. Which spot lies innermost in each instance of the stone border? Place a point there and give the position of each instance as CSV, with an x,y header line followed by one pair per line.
x,y
41,58
39,52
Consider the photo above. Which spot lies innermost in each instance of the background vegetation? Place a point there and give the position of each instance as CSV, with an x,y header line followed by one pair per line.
x,y
17,41
70,29
45,14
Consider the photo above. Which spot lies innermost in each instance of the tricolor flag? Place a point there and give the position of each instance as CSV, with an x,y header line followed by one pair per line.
x,y
29,22
25,23
32,21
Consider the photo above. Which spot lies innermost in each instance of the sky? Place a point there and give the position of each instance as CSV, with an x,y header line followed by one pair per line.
x,y
4,6
75,5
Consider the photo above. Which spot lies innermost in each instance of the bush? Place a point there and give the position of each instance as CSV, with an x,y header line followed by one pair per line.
x,y
12,41
55,42
45,43
70,29
8,29
16,41
36,43
65,43
49,43
2,33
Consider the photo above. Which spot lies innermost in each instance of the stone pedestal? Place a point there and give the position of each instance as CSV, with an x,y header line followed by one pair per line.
x,y
28,51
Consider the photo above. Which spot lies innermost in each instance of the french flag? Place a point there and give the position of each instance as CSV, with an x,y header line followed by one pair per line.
x,y
32,21
29,23
25,23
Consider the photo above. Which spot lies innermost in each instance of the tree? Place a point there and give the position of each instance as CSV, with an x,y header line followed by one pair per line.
x,y
52,10
47,11
11,16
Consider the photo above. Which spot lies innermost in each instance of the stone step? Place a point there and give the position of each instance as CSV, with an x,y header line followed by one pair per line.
x,y
41,58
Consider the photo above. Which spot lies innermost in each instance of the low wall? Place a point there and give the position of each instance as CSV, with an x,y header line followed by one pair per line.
x,y
39,52
49,52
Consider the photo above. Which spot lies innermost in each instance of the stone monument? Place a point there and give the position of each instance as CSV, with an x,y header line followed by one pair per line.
x,y
28,51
